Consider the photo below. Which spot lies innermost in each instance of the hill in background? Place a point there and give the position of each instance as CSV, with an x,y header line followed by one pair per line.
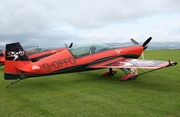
x,y
151,45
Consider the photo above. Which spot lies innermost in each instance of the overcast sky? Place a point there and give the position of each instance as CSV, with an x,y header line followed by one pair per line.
x,y
56,22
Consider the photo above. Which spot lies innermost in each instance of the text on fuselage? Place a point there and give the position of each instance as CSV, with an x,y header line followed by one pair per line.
x,y
59,63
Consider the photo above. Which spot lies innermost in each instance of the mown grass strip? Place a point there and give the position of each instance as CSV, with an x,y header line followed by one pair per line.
x,y
89,94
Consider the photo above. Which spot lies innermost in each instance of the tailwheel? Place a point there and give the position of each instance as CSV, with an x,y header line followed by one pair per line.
x,y
111,72
130,76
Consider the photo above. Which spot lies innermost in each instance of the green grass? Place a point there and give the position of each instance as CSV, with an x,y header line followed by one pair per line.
x,y
88,94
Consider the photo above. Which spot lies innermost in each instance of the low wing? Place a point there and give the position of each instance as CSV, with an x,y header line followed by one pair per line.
x,y
133,63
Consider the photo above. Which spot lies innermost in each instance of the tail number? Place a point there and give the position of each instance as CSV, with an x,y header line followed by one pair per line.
x,y
59,64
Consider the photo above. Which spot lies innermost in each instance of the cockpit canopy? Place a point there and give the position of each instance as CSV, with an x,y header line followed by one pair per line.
x,y
36,49
82,50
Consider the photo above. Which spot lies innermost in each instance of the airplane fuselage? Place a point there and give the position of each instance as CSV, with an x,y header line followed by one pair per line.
x,y
64,61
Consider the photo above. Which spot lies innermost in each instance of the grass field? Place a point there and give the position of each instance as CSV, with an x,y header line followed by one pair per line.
x,y
88,94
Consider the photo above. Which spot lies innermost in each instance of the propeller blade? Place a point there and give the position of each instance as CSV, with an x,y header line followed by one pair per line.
x,y
147,41
70,45
134,41
66,45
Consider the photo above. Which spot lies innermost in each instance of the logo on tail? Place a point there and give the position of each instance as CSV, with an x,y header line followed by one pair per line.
x,y
15,54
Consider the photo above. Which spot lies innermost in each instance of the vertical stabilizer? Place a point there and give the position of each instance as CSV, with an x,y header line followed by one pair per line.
x,y
15,57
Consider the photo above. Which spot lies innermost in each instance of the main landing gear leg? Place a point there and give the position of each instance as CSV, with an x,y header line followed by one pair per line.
x,y
111,72
129,75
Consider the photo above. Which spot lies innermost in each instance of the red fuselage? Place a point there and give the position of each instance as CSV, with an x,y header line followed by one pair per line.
x,y
65,61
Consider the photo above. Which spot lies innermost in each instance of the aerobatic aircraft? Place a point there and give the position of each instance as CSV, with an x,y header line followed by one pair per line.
x,y
80,58
2,57
38,53
35,53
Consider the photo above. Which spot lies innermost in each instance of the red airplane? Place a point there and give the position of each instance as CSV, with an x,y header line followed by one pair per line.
x,y
2,57
38,53
35,53
18,65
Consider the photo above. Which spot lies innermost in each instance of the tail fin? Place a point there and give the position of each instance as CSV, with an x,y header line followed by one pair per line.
x,y
15,57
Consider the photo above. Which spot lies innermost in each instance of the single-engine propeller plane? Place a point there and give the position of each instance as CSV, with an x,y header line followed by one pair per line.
x,y
79,58
2,57
36,53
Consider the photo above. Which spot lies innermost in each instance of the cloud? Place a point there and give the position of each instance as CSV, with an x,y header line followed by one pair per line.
x,y
57,22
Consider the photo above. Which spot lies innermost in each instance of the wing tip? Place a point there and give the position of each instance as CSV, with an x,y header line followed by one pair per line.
x,y
171,63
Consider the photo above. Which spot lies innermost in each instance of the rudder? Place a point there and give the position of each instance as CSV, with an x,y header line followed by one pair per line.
x,y
15,57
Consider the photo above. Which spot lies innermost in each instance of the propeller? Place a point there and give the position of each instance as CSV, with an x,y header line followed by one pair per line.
x,y
69,45
144,44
